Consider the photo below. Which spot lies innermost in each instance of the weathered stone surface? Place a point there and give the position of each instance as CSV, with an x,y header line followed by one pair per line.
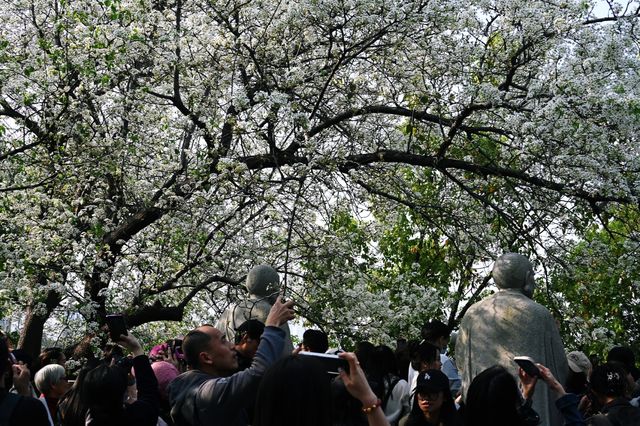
x,y
263,283
509,324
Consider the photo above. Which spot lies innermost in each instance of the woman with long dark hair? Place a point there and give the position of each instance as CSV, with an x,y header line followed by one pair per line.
x,y
493,399
70,408
100,394
295,391
284,390
395,390
433,404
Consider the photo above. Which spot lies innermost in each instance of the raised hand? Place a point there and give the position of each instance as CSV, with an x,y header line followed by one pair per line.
x,y
131,343
551,381
528,383
21,378
280,313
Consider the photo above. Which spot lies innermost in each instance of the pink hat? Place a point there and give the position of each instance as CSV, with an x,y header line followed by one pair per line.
x,y
165,373
154,352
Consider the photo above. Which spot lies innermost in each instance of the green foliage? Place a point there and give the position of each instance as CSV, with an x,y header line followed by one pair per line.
x,y
379,153
406,246
601,290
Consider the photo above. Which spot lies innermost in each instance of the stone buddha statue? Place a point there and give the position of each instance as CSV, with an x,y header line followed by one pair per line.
x,y
263,285
508,324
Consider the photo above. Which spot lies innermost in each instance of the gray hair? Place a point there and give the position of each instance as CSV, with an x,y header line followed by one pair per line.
x,y
48,376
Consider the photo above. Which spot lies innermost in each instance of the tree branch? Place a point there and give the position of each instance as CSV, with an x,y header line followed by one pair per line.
x,y
157,312
355,161
131,227
400,111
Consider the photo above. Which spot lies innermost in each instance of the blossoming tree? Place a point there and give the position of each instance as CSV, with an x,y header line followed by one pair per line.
x,y
152,151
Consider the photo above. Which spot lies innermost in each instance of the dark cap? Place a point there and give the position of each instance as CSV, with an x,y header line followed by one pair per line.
x,y
624,355
609,379
432,381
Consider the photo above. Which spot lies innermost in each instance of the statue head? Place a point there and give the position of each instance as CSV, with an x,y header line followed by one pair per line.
x,y
263,281
513,270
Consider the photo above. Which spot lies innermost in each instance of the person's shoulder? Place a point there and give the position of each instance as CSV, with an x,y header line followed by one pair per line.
x,y
598,420
622,405
454,419
29,411
404,421
400,386
28,402
189,379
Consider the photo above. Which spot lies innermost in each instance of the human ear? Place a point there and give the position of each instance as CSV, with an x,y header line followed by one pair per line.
x,y
205,358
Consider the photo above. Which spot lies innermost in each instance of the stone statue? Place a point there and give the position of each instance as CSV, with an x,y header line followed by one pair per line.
x,y
509,324
263,284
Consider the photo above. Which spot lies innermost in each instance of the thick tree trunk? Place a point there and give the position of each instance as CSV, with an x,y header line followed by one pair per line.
x,y
33,330
32,333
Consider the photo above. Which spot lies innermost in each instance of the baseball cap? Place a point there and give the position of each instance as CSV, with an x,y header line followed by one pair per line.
x,y
625,356
432,381
609,379
579,362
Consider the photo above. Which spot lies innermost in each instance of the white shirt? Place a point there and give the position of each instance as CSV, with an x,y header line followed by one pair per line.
x,y
396,403
448,368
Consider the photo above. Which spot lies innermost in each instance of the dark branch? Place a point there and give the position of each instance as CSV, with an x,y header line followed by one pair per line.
x,y
403,112
157,312
355,161
131,227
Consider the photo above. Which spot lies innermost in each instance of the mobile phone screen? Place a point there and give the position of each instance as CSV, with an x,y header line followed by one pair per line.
x,y
330,363
527,365
117,326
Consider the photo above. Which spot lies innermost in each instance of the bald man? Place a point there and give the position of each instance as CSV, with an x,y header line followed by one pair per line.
x,y
212,392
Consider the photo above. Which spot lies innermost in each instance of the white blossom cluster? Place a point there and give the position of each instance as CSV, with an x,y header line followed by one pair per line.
x,y
378,153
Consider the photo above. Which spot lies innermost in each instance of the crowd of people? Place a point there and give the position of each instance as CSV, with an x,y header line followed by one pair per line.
x,y
203,378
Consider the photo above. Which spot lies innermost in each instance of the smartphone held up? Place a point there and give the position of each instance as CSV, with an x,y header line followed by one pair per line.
x,y
117,326
332,364
528,365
